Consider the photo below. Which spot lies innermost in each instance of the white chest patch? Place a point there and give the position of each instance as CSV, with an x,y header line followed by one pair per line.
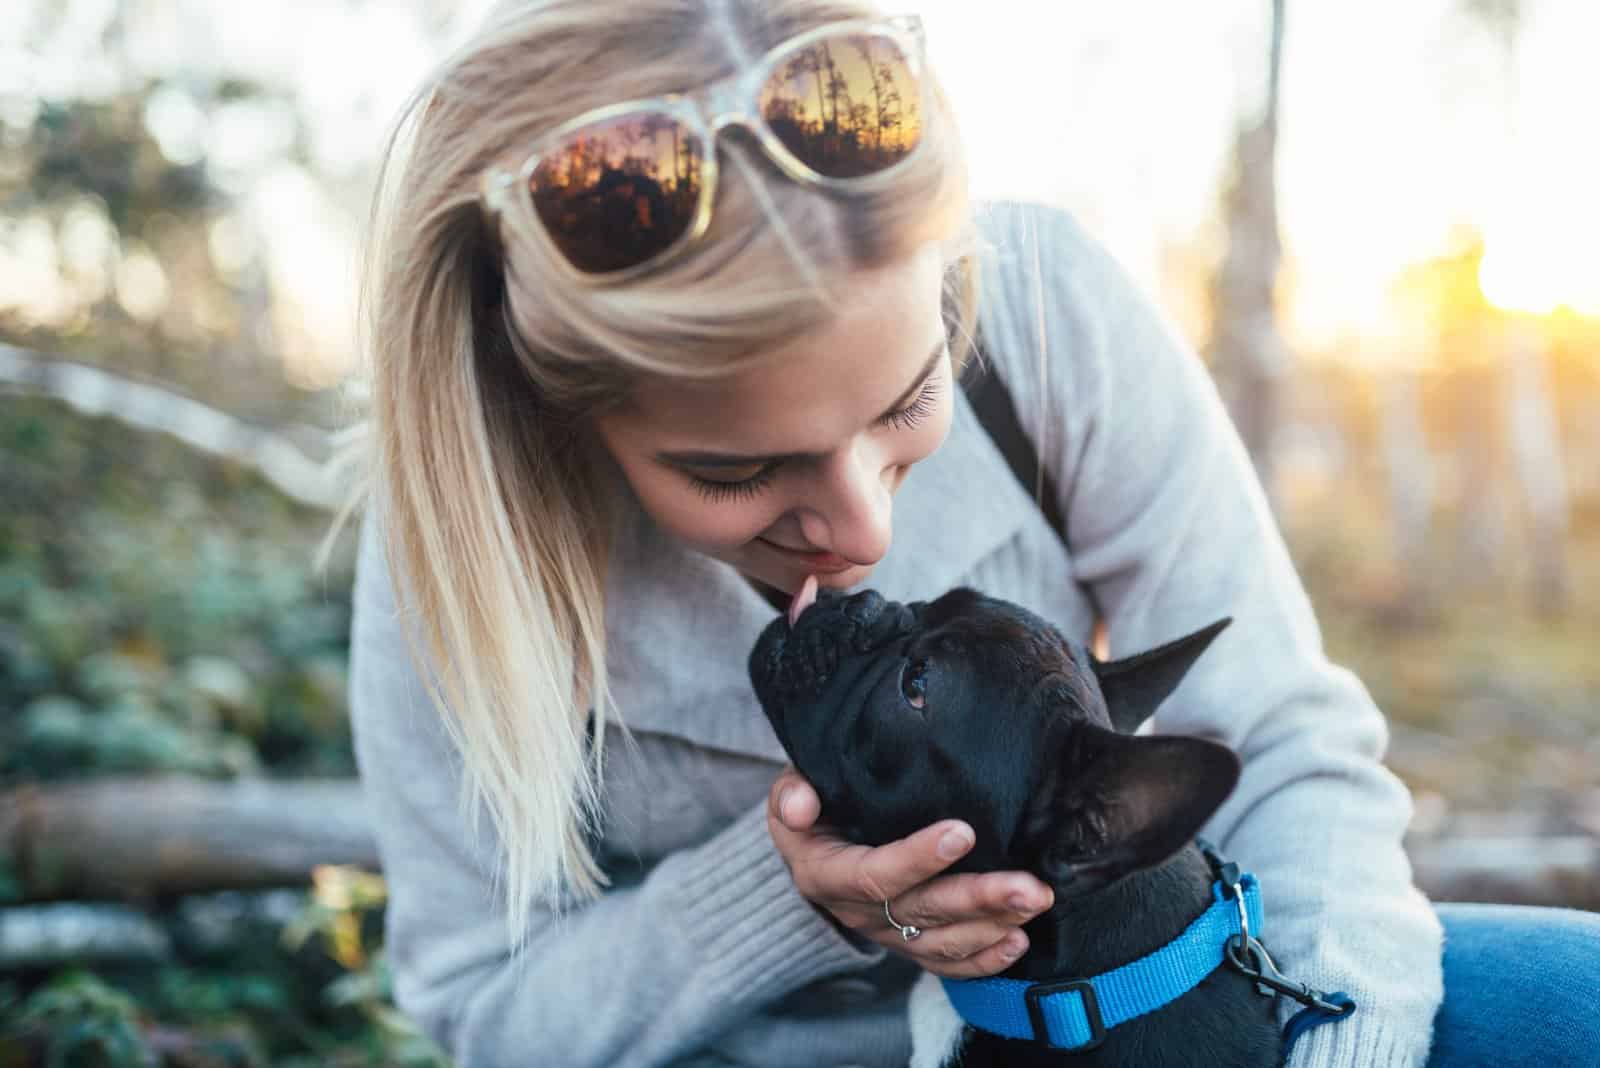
x,y
935,1025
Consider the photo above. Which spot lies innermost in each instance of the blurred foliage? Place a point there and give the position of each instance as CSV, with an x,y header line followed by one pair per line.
x,y
139,263
158,610
276,998
1495,705
88,1022
160,615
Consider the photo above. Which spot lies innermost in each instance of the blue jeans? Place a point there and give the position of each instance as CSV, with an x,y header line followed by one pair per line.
x,y
1520,988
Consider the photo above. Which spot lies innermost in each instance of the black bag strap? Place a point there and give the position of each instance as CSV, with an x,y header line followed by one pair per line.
x,y
992,404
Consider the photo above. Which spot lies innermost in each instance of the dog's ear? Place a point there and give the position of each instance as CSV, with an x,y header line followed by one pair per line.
x,y
1120,804
1135,685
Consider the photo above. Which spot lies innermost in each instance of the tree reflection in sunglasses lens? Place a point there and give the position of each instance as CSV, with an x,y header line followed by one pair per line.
x,y
845,106
618,193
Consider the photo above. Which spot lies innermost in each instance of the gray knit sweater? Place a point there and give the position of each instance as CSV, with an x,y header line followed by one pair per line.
x,y
703,952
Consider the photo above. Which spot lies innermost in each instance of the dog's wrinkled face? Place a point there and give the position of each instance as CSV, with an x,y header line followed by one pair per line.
x,y
973,708
889,709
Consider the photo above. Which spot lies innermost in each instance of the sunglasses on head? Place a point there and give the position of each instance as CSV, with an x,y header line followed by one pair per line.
x,y
621,189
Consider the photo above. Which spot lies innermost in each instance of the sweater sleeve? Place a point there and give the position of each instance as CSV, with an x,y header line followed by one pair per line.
x,y
642,976
1169,529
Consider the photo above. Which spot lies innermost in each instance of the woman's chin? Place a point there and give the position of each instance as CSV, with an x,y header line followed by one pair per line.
x,y
835,580
843,580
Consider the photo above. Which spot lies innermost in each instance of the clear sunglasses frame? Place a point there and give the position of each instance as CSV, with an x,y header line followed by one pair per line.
x,y
706,112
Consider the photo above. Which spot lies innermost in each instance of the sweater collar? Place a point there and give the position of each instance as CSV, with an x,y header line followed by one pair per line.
x,y
680,625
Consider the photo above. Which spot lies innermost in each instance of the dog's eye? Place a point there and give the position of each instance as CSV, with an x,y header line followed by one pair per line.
x,y
914,683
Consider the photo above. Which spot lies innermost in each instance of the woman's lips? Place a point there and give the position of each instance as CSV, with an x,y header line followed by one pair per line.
x,y
826,563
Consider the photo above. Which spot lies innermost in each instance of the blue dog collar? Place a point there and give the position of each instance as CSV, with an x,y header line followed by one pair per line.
x,y
1075,1014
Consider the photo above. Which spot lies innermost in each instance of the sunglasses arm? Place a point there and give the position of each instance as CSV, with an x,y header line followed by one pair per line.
x,y
493,187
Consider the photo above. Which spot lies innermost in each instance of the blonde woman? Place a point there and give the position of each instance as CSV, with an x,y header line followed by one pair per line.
x,y
667,304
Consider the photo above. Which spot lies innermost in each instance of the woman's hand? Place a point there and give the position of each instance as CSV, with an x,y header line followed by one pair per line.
x,y
971,923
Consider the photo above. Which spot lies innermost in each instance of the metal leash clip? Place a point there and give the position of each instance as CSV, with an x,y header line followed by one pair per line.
x,y
1250,958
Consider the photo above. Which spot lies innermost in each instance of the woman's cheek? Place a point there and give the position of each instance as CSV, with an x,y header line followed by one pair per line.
x,y
706,524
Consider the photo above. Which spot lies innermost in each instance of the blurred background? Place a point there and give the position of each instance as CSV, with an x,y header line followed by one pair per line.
x,y
1375,221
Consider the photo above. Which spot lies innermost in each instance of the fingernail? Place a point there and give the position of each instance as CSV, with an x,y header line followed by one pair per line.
x,y
1015,945
955,842
1021,903
783,802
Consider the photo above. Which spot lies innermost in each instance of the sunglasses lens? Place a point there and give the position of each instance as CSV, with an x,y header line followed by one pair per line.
x,y
619,193
846,106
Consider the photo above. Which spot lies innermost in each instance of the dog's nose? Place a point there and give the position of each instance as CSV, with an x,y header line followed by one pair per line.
x,y
874,620
864,607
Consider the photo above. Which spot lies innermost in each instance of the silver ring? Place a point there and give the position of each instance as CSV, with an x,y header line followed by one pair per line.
x,y
908,931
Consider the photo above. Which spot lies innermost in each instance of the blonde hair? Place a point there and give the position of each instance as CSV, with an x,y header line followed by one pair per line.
x,y
484,365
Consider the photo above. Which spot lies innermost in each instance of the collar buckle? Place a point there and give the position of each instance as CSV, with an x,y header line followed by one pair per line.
x,y
1034,996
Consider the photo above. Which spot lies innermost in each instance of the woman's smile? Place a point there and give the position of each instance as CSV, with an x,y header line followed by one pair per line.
x,y
819,561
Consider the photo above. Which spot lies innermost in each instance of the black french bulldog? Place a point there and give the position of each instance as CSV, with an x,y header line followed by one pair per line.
x,y
969,707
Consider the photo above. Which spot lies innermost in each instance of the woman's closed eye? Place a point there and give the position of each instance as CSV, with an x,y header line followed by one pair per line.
x,y
716,489
905,418
921,406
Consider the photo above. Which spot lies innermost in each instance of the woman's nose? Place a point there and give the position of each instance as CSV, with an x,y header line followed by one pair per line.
x,y
852,511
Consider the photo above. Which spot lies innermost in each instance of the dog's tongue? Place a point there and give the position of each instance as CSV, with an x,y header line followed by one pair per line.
x,y
803,600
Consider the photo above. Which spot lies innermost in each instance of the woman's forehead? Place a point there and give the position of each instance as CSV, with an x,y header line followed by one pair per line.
x,y
831,382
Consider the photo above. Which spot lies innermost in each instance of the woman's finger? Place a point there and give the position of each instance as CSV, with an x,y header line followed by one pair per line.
x,y
886,872
1011,898
990,961
951,945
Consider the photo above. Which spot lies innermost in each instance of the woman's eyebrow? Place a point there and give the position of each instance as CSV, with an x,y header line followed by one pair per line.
x,y
726,459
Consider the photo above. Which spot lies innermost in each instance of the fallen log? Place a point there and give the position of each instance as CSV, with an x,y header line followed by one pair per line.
x,y
134,839
201,926
307,477
1511,869
44,936
1562,870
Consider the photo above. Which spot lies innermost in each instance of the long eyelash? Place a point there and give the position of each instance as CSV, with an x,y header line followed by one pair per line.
x,y
904,419
712,490
919,409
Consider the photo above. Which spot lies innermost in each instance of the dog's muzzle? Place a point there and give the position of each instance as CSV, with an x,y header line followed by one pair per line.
x,y
798,661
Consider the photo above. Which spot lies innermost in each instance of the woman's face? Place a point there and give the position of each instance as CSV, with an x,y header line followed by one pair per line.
x,y
790,468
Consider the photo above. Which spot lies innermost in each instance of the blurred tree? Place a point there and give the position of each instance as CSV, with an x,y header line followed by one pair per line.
x,y
1541,473
1410,485
128,250
1454,319
1521,404
1503,19
1248,353
138,256
1494,404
